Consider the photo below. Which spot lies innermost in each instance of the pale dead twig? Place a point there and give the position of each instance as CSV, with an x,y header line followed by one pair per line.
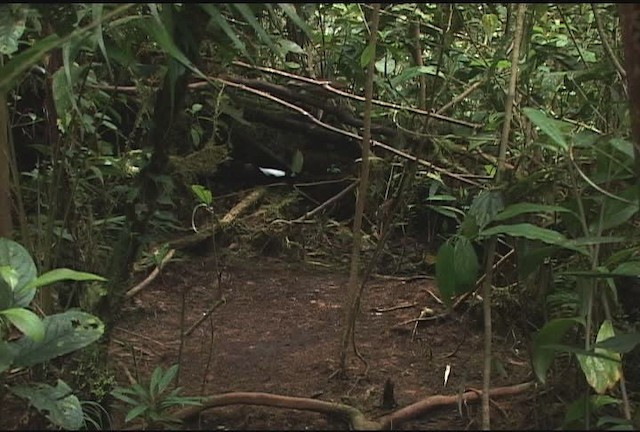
x,y
396,307
142,285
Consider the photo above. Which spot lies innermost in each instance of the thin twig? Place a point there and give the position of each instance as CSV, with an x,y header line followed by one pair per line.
x,y
136,289
327,85
204,316
396,307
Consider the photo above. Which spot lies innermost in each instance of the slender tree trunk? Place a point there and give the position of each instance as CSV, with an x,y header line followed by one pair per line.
x,y
504,142
6,225
630,23
353,291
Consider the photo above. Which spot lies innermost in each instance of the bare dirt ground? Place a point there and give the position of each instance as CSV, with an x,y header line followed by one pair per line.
x,y
279,333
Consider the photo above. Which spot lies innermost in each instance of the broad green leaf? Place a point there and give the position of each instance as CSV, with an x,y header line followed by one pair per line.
x,y
489,25
485,206
25,321
466,265
367,55
64,333
167,378
156,376
414,71
555,129
469,227
6,356
386,65
62,274
629,268
17,67
10,276
602,374
522,208
445,272
533,232
623,146
13,18
622,344
203,194
58,403
551,334
12,254
618,212
135,412
287,46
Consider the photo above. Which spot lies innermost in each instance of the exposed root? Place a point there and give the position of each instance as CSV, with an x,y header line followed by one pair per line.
x,y
355,418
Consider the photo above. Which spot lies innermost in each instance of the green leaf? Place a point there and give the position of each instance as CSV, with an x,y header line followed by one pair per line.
x,y
13,255
165,380
623,343
522,208
17,67
96,14
445,272
10,276
64,333
226,28
551,334
13,19
290,11
602,374
59,405
6,355
466,265
367,55
203,194
248,15
594,240
62,274
25,321
414,71
555,129
485,206
533,232
629,268
119,393
156,376
618,212
135,412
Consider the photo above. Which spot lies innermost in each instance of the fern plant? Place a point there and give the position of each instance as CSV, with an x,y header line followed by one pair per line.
x,y
153,402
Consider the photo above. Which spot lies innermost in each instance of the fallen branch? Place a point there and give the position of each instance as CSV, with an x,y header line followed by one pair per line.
x,y
393,308
205,316
208,230
142,285
328,85
353,416
321,207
